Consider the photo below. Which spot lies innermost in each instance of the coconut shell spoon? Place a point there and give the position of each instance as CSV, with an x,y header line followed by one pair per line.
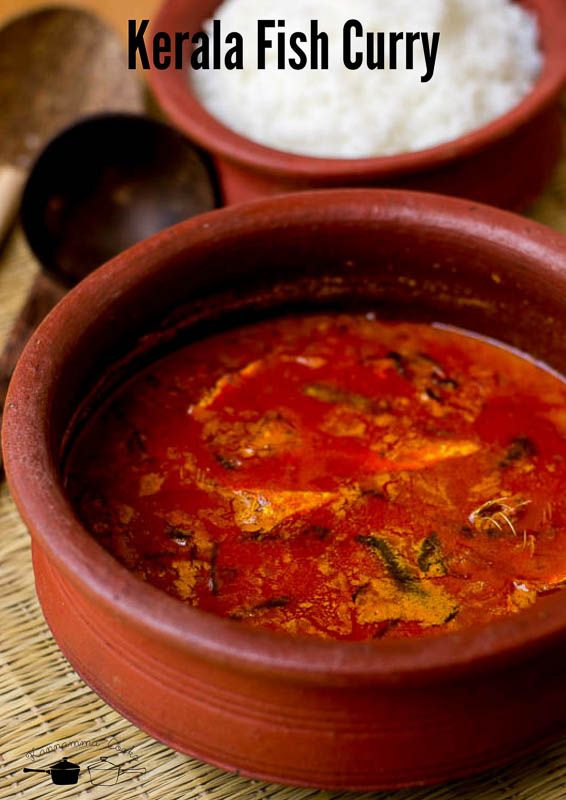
x,y
56,65
102,185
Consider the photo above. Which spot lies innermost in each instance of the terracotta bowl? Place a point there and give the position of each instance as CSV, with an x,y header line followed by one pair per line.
x,y
329,714
505,163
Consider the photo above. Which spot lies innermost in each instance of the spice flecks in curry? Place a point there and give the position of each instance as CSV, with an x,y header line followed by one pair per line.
x,y
334,476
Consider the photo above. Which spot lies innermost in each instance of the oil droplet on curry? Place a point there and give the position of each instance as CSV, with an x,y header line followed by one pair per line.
x,y
334,476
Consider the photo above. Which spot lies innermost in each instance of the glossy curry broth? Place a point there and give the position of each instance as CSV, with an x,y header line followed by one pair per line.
x,y
334,476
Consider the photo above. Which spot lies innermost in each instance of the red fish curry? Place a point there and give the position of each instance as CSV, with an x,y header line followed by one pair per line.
x,y
334,476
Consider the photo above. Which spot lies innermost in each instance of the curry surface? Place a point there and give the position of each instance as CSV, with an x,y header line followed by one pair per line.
x,y
335,476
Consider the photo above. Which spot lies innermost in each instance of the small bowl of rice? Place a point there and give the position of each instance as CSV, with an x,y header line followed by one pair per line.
x,y
485,125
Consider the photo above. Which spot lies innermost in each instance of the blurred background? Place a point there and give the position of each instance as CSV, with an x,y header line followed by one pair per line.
x,y
115,12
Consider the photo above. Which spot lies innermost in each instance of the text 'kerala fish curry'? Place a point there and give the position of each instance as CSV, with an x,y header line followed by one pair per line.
x,y
334,476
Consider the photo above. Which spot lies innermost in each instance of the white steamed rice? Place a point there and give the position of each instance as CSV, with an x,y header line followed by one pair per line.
x,y
488,60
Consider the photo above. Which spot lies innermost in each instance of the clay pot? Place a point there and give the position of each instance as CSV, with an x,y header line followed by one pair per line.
x,y
505,163
374,715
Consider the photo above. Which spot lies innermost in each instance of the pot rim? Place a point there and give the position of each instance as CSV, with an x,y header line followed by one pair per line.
x,y
37,487
171,88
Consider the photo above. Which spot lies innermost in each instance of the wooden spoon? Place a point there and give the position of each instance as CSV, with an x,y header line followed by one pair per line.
x,y
99,187
56,65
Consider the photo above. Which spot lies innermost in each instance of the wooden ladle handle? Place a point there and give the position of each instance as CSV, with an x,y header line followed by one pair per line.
x,y
12,181
44,294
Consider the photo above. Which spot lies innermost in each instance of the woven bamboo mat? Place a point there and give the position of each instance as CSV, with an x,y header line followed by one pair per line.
x,y
47,712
